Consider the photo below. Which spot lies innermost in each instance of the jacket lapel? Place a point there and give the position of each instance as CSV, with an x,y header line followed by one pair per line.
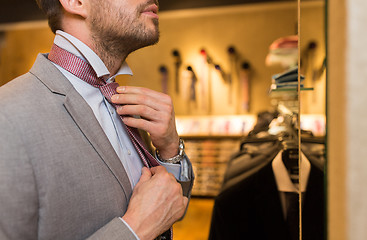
x,y
88,124
268,205
83,117
313,212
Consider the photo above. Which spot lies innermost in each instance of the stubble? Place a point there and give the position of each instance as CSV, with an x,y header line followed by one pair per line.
x,y
116,33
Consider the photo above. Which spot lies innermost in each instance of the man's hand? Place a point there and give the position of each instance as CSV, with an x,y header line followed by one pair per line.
x,y
156,203
157,116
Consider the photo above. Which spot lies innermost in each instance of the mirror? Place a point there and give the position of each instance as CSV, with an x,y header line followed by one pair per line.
x,y
261,40
312,114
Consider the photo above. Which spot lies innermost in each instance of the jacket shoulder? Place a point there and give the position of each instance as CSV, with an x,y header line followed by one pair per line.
x,y
18,87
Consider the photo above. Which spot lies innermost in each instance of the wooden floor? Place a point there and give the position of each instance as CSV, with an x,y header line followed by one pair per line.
x,y
196,224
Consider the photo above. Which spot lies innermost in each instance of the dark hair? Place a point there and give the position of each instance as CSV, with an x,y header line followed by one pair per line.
x,y
53,11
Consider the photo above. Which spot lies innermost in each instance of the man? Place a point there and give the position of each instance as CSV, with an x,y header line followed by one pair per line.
x,y
70,166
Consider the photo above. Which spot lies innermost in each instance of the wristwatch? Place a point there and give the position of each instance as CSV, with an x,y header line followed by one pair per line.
x,y
176,159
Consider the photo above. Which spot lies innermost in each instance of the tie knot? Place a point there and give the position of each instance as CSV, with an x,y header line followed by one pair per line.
x,y
82,70
108,90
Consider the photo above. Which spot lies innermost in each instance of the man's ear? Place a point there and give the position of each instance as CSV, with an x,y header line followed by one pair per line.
x,y
75,7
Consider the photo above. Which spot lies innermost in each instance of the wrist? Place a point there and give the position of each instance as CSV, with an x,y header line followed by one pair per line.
x,y
140,232
175,158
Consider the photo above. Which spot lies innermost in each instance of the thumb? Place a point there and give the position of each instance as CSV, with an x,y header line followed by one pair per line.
x,y
145,174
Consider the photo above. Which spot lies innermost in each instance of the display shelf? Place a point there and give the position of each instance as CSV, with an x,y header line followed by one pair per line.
x,y
287,93
290,89
216,126
209,156
210,141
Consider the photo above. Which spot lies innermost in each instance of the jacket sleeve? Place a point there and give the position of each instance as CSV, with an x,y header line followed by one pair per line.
x,y
187,185
18,191
114,230
19,203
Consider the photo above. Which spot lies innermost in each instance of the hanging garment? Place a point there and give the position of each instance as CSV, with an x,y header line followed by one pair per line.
x,y
252,209
249,160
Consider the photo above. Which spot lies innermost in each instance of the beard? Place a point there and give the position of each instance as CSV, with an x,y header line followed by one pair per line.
x,y
117,33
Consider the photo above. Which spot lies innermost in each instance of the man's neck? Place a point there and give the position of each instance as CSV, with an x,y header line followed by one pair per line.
x,y
98,60
112,60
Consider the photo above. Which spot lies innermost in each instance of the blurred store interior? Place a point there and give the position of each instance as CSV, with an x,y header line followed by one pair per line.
x,y
245,77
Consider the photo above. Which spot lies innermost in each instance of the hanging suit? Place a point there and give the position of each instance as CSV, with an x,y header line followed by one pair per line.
x,y
251,209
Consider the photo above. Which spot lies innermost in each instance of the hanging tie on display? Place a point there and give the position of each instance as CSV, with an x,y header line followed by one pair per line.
x,y
233,69
192,90
222,73
311,69
206,80
312,52
164,78
227,79
178,63
308,63
192,96
245,85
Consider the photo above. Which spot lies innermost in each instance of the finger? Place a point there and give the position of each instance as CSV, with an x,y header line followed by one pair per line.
x,y
145,175
158,104
142,91
143,111
138,123
155,128
162,173
139,95
153,122
157,170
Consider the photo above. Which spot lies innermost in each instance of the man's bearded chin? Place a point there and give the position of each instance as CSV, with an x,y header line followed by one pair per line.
x,y
116,44
154,38
134,42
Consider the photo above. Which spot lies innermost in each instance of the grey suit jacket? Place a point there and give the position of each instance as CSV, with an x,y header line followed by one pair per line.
x,y
60,178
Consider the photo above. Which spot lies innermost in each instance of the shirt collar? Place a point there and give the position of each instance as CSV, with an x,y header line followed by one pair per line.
x,y
282,178
81,50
